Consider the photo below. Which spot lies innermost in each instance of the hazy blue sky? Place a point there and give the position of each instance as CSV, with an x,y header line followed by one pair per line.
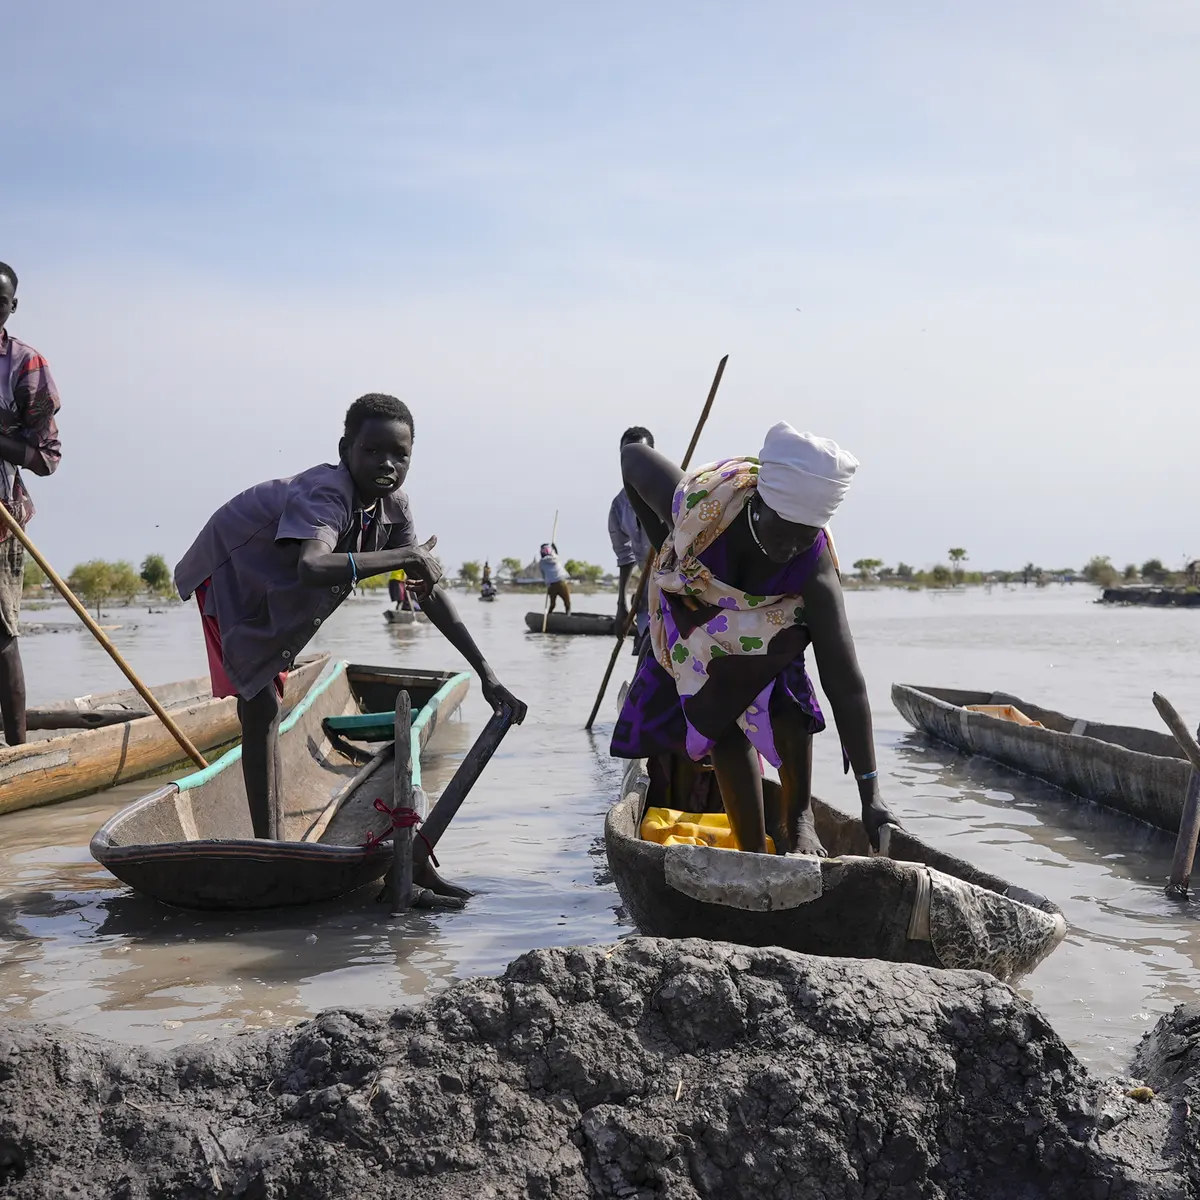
x,y
539,223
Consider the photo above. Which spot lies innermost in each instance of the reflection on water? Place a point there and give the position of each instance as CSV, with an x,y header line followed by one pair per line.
x,y
81,949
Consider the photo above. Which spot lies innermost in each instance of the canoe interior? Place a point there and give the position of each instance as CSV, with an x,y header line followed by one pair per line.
x,y
1142,741
191,842
843,835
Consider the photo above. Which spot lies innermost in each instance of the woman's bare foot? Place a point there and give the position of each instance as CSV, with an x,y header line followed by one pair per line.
x,y
807,841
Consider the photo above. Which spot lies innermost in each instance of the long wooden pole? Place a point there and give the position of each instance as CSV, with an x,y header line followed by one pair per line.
x,y
82,613
1189,821
546,605
623,632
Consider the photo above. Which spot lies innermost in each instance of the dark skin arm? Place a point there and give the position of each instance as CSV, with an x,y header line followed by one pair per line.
x,y
14,450
842,680
622,588
321,567
650,482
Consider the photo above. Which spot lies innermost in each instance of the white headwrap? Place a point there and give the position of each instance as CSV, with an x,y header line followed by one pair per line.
x,y
803,477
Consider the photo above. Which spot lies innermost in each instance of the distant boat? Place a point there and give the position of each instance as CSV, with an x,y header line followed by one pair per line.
x,y
575,622
404,616
1136,771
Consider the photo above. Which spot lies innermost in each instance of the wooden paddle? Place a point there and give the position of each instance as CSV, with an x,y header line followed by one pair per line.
x,y
623,632
546,606
1189,821
82,613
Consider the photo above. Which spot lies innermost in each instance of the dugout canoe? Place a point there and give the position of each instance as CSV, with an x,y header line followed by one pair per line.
x,y
1136,771
404,616
576,622
94,742
190,844
915,905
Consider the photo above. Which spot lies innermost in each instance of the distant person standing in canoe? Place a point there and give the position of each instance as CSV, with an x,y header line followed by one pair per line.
x,y
629,541
28,441
398,590
745,580
275,562
554,576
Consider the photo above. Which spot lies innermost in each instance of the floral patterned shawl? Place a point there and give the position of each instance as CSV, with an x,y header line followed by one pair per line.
x,y
722,646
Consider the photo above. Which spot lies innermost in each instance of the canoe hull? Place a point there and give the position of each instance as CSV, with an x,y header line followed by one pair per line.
x,y
920,906
403,616
190,844
587,623
47,770
1136,771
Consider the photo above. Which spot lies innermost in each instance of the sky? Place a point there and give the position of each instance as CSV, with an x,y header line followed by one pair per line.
x,y
962,240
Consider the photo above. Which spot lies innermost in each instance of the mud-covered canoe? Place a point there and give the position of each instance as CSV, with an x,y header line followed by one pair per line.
x,y
1136,771
914,905
191,843
90,743
576,622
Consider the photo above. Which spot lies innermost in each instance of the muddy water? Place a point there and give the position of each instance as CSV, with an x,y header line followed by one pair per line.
x,y
79,949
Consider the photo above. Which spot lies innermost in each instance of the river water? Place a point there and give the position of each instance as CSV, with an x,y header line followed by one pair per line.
x,y
78,948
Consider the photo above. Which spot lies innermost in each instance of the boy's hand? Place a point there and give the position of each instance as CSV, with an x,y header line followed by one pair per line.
x,y
424,566
498,696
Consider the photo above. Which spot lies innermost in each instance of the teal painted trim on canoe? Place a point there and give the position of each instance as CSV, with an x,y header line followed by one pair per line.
x,y
333,669
424,717
379,720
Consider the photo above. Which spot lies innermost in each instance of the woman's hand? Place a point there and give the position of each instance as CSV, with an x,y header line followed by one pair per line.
x,y
875,816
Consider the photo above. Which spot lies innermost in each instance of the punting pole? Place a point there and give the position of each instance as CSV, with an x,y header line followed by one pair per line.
x,y
623,633
185,744
1189,821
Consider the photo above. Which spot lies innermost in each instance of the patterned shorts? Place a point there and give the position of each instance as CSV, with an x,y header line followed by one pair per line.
x,y
12,569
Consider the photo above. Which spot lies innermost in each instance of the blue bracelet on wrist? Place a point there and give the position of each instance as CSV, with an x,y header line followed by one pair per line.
x,y
868,776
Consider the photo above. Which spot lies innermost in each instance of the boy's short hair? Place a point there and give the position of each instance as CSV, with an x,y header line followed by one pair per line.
x,y
637,433
376,404
9,274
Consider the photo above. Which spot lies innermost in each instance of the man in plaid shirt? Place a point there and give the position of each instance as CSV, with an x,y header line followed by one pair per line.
x,y
28,441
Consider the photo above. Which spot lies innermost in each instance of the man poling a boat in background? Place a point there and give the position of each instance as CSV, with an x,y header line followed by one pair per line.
x,y
629,542
745,580
554,576
28,441
275,562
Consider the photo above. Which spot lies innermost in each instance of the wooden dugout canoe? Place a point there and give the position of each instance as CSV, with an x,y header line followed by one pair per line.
x,y
191,844
1135,771
126,742
918,905
404,616
576,622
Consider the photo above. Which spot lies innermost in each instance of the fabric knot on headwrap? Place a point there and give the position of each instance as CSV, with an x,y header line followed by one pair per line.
x,y
803,477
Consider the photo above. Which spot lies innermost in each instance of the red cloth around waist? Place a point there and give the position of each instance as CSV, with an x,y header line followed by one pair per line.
x,y
221,684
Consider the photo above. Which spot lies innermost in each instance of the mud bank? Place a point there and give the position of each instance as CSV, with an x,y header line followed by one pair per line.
x,y
646,1069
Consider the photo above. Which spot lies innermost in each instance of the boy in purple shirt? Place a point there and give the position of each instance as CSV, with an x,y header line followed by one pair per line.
x,y
275,562
29,441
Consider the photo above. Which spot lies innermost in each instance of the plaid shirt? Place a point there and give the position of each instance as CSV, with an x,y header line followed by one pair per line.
x,y
28,402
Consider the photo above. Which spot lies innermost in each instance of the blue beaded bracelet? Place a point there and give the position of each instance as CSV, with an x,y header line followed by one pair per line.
x,y
868,775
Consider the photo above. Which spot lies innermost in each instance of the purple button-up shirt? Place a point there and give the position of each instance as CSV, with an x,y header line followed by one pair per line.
x,y
28,404
250,550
